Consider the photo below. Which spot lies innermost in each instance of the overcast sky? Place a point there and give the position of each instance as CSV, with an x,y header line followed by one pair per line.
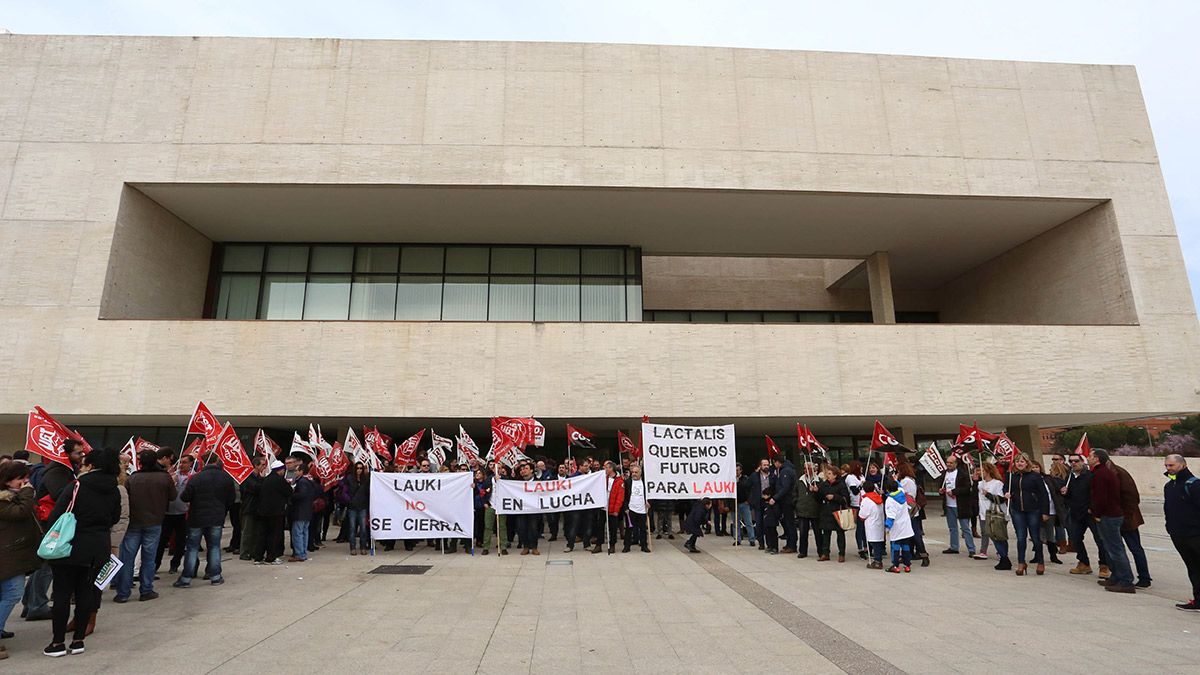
x,y
1159,37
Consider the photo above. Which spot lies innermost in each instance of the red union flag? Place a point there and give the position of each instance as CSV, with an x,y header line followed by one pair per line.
x,y
358,452
143,444
194,450
338,457
627,446
772,449
406,452
1084,449
807,441
509,434
973,435
204,422
580,437
889,461
377,443
324,470
232,455
467,450
881,437
266,446
1006,450
45,436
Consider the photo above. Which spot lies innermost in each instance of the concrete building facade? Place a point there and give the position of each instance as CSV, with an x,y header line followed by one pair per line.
x,y
810,236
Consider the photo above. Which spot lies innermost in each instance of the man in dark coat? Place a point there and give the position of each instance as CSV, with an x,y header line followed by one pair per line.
x,y
785,499
209,494
150,490
694,525
1181,506
250,488
300,513
1106,507
1131,514
1077,495
273,500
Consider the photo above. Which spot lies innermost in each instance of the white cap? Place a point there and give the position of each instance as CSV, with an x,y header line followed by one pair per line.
x,y
276,465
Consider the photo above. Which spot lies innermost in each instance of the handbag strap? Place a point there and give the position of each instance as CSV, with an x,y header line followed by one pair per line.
x,y
74,493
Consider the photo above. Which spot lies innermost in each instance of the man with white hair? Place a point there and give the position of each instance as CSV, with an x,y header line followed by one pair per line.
x,y
1181,505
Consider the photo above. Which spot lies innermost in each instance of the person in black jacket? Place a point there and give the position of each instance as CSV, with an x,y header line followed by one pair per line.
x,y
1077,498
304,492
273,501
1029,505
359,488
1181,506
209,494
745,497
833,496
250,488
54,477
784,500
97,507
694,525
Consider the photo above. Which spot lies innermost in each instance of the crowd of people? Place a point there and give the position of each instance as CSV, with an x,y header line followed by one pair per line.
x,y
168,506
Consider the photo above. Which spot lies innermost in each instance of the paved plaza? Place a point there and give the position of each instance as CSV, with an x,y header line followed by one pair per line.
x,y
726,610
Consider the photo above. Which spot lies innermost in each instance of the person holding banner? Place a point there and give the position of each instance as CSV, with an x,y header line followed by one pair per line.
x,y
96,503
960,509
492,523
527,535
808,510
637,510
616,506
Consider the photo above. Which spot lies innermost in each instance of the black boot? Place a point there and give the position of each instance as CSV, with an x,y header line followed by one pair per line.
x,y
924,560
1004,564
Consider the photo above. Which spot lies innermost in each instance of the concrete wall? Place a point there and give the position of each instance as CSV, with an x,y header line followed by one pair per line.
x,y
1147,472
1073,274
159,265
82,116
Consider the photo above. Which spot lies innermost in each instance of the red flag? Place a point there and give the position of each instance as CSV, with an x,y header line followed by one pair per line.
x,y
324,469
130,450
45,436
143,444
881,437
204,422
1084,449
1006,450
772,449
266,446
580,437
509,435
378,443
340,462
889,461
406,452
194,450
975,436
627,446
69,433
232,455
806,440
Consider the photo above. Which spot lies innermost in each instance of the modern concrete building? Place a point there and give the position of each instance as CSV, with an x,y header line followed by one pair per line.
x,y
416,233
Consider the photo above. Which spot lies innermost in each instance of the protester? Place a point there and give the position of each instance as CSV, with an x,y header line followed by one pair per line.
x,y
784,500
833,496
357,484
1028,508
1078,503
272,506
854,483
1131,514
19,539
637,508
959,506
808,510
174,528
150,491
209,494
96,503
694,525
250,489
906,475
1050,526
1181,506
991,495
765,479
745,517
527,536
494,524
871,513
1106,508
300,509
616,505
899,526
53,479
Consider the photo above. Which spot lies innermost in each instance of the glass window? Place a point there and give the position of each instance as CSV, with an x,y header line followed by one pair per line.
x,y
287,259
512,260
373,298
423,259
558,261
779,317
602,300
238,297
633,300
633,262
467,260
557,299
331,258
815,317
672,316
708,317
511,298
327,297
603,261
853,317
744,317
242,258
465,298
419,298
377,259
283,296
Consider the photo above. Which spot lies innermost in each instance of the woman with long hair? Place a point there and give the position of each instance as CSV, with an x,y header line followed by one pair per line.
x,y
1055,480
358,488
19,538
991,495
854,483
1028,507
96,503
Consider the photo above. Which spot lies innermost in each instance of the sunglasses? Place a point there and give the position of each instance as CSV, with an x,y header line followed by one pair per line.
x,y
1075,461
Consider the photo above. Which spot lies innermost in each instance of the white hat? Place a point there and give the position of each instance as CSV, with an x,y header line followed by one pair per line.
x,y
276,465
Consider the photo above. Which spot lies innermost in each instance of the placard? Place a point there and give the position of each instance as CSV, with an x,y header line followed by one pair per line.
x,y
589,491
422,505
683,462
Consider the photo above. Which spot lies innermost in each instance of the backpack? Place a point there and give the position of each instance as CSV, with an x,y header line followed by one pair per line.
x,y
56,544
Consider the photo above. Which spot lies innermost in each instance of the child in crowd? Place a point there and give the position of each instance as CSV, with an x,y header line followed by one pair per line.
x,y
871,511
899,525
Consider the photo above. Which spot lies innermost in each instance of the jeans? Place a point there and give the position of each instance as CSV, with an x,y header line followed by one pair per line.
x,y
902,552
1133,540
356,524
300,539
1028,524
876,548
37,591
1118,561
954,523
860,533
744,520
1002,548
144,539
11,590
787,518
191,557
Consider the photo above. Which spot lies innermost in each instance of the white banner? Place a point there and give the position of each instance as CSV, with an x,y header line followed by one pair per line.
x,y
589,491
422,505
932,461
689,462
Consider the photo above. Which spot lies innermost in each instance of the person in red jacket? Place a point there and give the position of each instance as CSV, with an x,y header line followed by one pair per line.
x,y
616,505
1106,509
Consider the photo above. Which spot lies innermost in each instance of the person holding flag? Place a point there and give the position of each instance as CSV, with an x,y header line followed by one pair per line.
x,y
174,529
208,494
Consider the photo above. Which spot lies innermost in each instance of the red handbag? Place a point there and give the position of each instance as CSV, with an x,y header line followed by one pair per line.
x,y
42,509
